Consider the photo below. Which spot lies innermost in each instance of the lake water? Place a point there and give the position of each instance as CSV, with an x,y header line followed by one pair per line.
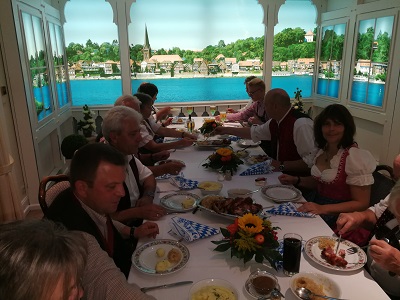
x,y
97,92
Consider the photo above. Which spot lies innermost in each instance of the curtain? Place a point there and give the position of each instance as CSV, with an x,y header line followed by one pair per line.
x,y
10,200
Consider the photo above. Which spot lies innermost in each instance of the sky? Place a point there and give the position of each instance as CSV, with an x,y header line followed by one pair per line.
x,y
187,24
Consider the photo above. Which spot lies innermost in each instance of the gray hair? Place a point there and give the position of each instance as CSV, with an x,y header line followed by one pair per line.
x,y
36,255
394,199
129,101
114,118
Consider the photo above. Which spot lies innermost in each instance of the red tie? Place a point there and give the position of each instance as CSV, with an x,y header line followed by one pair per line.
x,y
110,237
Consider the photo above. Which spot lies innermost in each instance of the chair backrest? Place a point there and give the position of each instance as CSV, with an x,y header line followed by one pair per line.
x,y
382,183
50,187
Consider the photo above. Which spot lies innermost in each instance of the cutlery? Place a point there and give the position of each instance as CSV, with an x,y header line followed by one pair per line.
x,y
252,192
337,247
150,288
160,192
306,294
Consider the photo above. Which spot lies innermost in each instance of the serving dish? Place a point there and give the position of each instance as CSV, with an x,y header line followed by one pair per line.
x,y
178,120
210,187
145,257
213,143
214,282
280,193
255,159
161,162
330,288
355,261
179,201
253,289
247,143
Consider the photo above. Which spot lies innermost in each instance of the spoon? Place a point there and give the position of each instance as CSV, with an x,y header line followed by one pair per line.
x,y
306,294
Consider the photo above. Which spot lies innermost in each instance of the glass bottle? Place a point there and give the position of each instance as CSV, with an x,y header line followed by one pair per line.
x,y
190,124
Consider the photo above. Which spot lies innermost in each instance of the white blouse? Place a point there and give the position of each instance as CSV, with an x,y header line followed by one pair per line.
x,y
359,167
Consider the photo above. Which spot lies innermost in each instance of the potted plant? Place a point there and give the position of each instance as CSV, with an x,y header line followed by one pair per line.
x,y
87,124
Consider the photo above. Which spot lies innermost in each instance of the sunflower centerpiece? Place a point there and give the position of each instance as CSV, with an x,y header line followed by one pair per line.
x,y
209,126
251,236
223,159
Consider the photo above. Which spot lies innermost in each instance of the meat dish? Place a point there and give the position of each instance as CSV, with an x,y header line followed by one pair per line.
x,y
233,206
335,260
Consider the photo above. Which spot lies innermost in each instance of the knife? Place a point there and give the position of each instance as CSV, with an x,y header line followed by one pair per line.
x,y
150,288
337,247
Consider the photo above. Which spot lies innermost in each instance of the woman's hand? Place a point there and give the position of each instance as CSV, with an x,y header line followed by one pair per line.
x,y
313,208
349,221
167,122
287,179
255,120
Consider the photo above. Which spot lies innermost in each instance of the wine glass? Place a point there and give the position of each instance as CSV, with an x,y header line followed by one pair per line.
x,y
189,109
213,109
222,115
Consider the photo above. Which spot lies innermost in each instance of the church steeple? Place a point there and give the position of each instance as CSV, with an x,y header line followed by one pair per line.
x,y
146,47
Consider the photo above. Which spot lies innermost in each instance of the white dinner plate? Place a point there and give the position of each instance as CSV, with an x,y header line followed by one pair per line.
x,y
255,159
161,162
247,143
178,120
355,261
145,257
280,193
174,201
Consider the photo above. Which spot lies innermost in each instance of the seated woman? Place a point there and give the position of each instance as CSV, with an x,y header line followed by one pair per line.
x,y
342,173
149,128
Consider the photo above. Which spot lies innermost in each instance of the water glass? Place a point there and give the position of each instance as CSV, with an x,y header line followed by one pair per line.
x,y
292,243
213,109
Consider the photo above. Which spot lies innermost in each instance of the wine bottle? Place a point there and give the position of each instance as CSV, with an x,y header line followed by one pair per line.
x,y
190,124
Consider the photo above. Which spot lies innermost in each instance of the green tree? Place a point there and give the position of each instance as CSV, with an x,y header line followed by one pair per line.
x,y
364,45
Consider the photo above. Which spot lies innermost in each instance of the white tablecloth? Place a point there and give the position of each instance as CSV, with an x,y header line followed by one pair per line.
x,y
206,263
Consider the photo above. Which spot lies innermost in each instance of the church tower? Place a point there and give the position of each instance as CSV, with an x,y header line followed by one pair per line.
x,y
146,47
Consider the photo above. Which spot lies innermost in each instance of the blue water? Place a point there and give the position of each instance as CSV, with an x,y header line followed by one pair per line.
x,y
97,92
376,92
328,87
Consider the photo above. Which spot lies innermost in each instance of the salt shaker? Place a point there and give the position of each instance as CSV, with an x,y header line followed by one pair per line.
x,y
228,175
221,176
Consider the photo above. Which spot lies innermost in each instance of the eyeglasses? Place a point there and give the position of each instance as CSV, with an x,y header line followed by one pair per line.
x,y
252,93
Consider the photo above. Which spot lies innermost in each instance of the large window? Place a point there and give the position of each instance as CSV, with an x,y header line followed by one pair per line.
x,y
372,60
330,65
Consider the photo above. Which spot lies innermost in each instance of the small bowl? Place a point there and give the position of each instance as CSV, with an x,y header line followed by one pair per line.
x,y
261,283
242,153
330,287
210,187
213,283
241,193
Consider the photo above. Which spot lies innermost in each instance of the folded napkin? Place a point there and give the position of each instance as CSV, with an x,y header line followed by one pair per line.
x,y
190,230
183,183
233,138
260,168
165,176
288,209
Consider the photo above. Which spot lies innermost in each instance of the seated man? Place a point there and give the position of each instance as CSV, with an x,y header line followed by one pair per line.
x,y
381,256
290,132
54,263
97,175
121,128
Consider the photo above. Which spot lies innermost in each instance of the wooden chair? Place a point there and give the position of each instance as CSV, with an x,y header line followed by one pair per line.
x,y
50,187
383,184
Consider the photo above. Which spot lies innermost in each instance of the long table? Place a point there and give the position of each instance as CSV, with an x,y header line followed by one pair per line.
x,y
205,263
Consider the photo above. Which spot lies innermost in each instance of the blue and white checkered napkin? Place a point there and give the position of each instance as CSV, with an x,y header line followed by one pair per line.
x,y
191,230
165,176
184,184
260,168
288,209
233,138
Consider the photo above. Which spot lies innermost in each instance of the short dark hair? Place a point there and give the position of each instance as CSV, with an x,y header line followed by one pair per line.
x,y
148,88
248,79
338,114
144,99
87,159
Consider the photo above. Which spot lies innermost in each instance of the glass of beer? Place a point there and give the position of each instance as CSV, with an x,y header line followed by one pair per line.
x,y
213,109
292,243
222,115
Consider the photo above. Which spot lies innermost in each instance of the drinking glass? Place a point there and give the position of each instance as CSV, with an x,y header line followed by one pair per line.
x,y
189,109
291,253
222,115
213,109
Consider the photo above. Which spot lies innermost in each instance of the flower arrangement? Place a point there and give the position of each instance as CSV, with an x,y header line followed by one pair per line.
x,y
208,126
251,236
298,103
87,124
223,159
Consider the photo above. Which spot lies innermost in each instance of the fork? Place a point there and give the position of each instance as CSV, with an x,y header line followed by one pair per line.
x,y
352,250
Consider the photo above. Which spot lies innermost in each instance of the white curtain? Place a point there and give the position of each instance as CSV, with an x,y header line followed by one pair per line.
x,y
10,201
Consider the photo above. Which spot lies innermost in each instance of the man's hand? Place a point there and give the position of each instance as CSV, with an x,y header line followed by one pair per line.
x,y
161,155
349,221
163,112
173,167
147,229
152,212
255,120
221,130
185,142
167,122
385,255
287,179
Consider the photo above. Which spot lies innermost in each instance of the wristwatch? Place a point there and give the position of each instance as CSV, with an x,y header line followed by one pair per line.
x,y
281,167
149,193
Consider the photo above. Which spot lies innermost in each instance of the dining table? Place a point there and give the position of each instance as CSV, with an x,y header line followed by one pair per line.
x,y
205,263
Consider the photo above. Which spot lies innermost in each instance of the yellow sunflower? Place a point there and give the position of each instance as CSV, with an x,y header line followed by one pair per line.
x,y
250,223
224,151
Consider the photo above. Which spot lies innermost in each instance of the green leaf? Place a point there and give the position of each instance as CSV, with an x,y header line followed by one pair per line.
x,y
220,242
225,232
222,247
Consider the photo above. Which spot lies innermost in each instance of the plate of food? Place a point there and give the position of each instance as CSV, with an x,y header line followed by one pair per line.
x,y
247,143
213,143
255,159
315,282
178,120
321,249
160,257
281,193
228,207
161,162
180,201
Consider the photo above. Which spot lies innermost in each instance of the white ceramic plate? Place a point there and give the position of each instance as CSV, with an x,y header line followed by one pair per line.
x,y
280,193
247,143
355,261
145,257
331,288
179,120
214,282
255,159
161,162
174,201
